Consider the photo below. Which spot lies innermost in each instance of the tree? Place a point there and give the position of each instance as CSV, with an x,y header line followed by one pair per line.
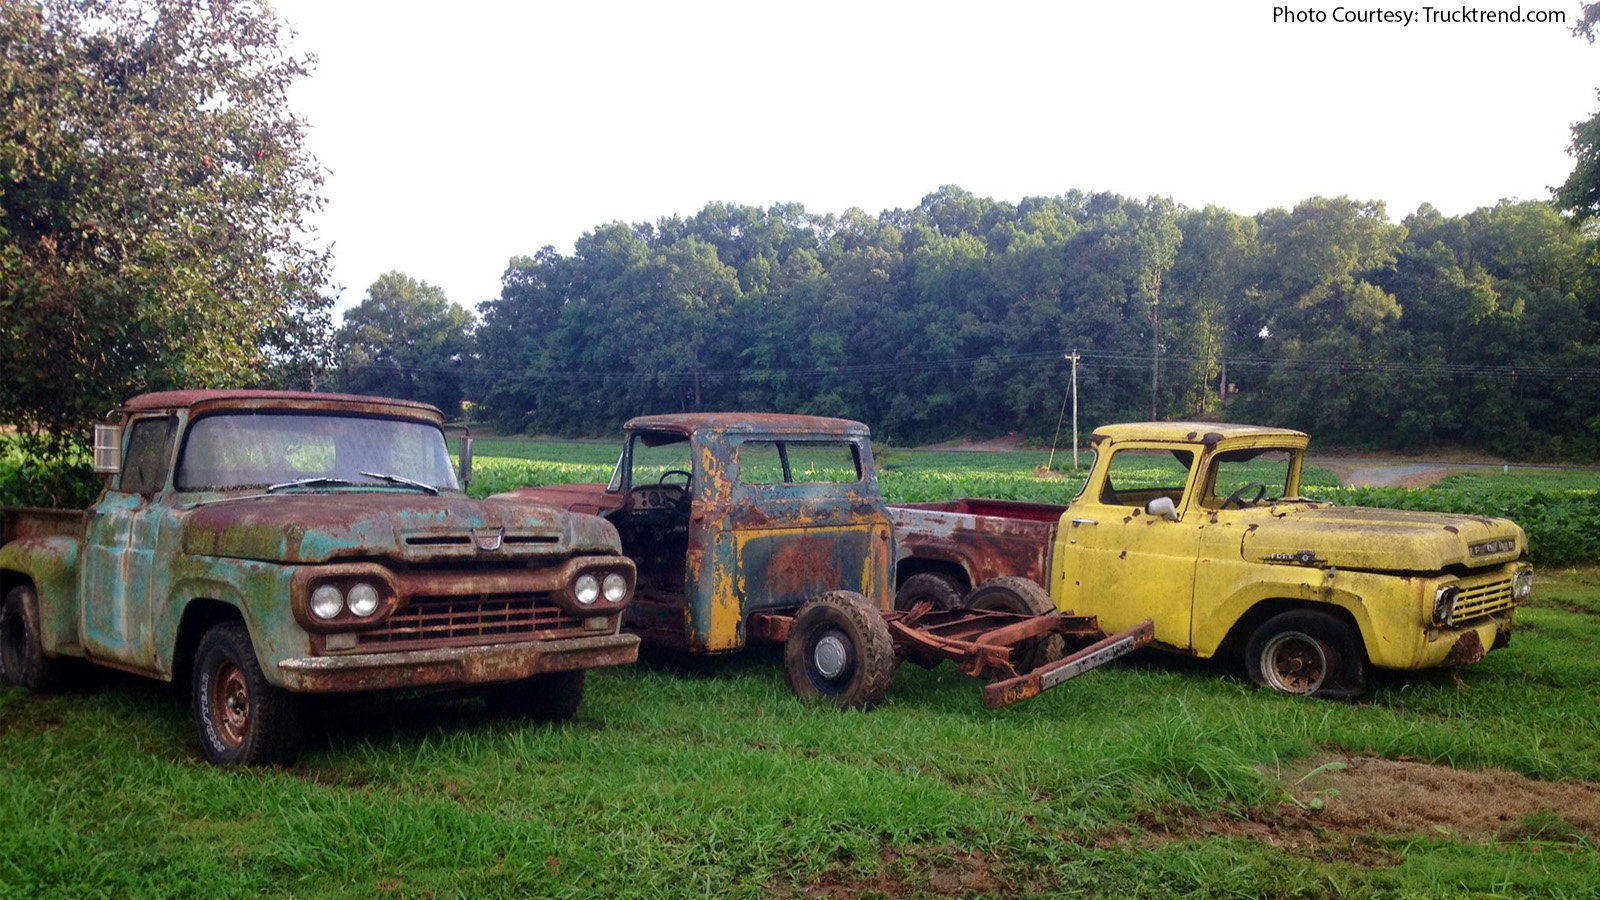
x,y
406,340
153,193
1580,193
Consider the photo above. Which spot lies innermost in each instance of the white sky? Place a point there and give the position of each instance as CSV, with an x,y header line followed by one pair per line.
x,y
458,135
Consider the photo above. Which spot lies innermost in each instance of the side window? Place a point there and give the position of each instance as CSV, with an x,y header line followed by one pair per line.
x,y
1137,475
144,469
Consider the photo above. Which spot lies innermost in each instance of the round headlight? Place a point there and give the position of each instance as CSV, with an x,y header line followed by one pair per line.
x,y
616,588
1444,605
327,602
1522,585
364,599
587,589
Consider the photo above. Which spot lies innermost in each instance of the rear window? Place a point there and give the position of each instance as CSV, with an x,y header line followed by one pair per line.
x,y
798,462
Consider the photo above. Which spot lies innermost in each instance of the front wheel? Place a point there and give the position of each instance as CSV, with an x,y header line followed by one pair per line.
x,y
243,719
552,697
23,662
1307,654
839,651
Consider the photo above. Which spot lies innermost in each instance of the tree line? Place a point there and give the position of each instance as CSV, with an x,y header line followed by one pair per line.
x,y
155,190
955,318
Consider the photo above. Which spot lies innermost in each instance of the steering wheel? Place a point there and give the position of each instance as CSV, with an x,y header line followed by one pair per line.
x,y
1236,499
687,476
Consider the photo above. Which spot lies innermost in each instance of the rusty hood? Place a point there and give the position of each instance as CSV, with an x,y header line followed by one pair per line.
x,y
1358,537
312,528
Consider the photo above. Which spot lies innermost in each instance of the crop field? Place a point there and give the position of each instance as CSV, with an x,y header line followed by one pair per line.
x,y
1151,777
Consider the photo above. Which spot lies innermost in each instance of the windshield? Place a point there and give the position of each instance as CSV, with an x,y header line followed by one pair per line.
x,y
266,449
1252,474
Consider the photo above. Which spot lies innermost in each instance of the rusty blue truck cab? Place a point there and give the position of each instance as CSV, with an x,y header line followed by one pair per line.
x,y
732,515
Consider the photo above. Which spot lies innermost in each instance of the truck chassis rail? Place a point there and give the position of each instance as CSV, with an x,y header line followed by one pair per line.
x,y
982,643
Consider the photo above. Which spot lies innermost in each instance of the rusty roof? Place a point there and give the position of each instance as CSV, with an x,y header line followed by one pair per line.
x,y
187,399
746,423
1206,432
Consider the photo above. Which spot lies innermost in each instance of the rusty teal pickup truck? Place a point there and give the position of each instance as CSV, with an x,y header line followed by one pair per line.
x,y
264,545
1203,528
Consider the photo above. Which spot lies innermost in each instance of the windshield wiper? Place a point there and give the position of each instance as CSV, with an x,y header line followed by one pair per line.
x,y
396,479
309,482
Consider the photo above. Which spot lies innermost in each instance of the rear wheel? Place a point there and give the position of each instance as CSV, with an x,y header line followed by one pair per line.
x,y
552,697
1009,593
243,719
1308,654
935,588
23,662
839,651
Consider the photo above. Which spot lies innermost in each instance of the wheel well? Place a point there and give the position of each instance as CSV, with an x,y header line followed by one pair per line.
x,y
199,617
10,578
918,566
1239,635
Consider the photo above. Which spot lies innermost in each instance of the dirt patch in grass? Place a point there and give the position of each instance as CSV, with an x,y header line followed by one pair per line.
x,y
942,871
1343,803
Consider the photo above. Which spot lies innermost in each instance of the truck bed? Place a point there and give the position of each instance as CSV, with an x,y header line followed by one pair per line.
x,y
17,522
975,539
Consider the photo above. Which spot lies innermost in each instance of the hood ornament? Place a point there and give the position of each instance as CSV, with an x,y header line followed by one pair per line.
x,y
488,539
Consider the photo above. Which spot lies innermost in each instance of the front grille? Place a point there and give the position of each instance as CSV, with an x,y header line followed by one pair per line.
x,y
1483,599
453,621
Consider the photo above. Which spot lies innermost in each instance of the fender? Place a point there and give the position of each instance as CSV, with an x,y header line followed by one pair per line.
x,y
51,564
1316,589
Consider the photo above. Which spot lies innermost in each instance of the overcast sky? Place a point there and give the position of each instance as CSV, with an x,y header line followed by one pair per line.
x,y
458,135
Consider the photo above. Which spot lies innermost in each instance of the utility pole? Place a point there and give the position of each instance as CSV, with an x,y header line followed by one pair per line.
x,y
1074,358
1073,393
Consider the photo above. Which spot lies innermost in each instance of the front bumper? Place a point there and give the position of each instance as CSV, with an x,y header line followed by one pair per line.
x,y
455,666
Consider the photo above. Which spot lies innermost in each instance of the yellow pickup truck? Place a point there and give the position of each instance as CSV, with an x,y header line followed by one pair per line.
x,y
1202,527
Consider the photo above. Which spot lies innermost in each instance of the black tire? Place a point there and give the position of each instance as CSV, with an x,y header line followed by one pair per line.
x,y
1306,653
839,651
937,588
1008,593
243,719
552,697
23,662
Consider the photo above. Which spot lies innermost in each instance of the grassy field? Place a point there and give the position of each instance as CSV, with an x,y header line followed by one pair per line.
x,y
1150,778
1153,777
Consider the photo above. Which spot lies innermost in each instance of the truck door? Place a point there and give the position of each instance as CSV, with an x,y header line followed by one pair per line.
x,y
1121,563
119,590
798,517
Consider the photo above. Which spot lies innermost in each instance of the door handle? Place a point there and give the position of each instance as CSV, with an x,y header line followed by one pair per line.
x,y
1085,522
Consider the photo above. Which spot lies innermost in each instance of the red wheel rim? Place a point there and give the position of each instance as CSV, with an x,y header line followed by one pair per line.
x,y
230,704
1295,663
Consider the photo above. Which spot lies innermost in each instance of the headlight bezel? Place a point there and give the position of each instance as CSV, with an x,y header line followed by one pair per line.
x,y
1444,605
345,584
590,582
1522,585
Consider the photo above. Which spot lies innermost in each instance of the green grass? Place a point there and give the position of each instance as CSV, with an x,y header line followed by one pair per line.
x,y
695,778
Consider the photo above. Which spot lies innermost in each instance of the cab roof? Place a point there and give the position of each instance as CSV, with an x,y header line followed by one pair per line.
x,y
747,423
280,399
1208,433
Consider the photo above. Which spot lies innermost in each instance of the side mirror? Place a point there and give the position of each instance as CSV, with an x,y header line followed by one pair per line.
x,y
466,460
108,449
1163,507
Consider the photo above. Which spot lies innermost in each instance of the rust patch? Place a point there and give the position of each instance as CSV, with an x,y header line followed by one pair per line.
x,y
1468,650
